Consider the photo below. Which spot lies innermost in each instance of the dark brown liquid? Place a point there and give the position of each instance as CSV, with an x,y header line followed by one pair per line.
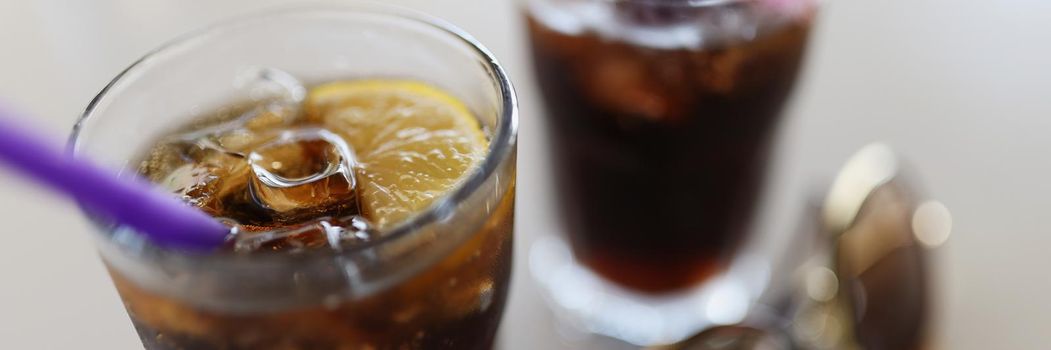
x,y
454,303
436,309
660,153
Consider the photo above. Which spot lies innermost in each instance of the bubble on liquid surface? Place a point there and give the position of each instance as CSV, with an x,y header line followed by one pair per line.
x,y
329,233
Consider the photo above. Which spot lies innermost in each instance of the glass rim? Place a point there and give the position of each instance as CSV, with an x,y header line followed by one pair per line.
x,y
690,3
501,145
680,3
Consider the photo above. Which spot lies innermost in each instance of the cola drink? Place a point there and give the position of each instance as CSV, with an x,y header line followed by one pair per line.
x,y
370,197
293,185
661,115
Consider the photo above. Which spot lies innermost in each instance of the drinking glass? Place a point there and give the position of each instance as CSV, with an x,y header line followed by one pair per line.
x,y
437,281
660,115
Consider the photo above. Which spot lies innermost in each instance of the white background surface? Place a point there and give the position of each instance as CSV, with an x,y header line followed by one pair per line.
x,y
962,88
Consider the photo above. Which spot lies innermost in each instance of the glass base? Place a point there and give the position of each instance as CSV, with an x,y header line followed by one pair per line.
x,y
591,304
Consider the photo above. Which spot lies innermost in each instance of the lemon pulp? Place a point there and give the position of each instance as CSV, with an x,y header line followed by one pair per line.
x,y
414,142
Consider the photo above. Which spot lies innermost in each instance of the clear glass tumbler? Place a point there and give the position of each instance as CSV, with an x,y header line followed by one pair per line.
x,y
437,281
661,114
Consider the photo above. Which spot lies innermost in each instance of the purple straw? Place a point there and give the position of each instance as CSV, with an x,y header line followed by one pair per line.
x,y
131,201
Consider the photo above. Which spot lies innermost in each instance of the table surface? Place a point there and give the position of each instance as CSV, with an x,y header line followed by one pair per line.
x,y
959,87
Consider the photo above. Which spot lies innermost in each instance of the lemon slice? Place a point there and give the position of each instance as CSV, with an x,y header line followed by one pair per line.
x,y
414,142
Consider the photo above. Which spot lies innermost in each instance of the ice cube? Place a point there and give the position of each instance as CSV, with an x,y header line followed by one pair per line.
x,y
721,71
626,83
266,84
303,173
209,177
328,233
274,98
278,95
193,183
201,173
654,13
